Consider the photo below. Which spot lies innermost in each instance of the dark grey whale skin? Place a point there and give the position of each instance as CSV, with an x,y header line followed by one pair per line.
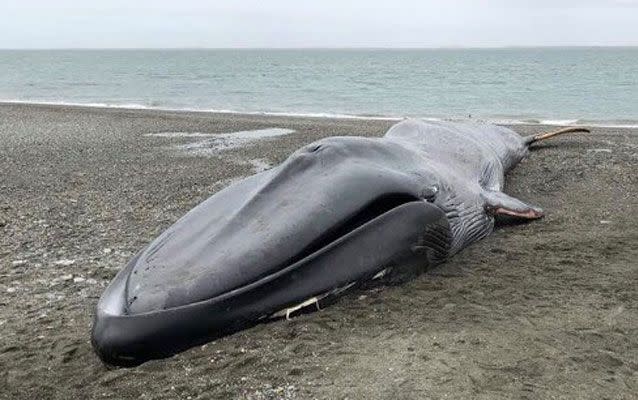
x,y
336,212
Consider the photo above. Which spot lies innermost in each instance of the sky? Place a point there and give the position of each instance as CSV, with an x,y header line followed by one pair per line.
x,y
321,23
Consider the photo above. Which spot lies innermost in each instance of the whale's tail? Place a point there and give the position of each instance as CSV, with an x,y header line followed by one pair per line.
x,y
546,135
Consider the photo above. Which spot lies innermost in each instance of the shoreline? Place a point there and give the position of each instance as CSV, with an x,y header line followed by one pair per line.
x,y
319,115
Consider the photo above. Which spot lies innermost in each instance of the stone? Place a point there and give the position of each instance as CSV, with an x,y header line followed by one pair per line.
x,y
64,262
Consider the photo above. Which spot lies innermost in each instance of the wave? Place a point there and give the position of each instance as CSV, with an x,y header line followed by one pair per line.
x,y
619,123
136,106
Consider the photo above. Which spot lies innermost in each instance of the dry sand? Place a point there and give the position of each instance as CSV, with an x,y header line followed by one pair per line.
x,y
547,309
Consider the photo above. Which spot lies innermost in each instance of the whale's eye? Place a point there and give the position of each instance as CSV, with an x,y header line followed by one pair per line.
x,y
429,193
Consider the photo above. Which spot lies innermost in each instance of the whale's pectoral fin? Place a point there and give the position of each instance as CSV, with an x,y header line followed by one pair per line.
x,y
498,203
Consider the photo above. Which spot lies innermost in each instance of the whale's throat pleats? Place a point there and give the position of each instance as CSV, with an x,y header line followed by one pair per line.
x,y
468,222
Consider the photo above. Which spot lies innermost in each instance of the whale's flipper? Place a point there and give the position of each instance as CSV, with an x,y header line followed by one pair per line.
x,y
528,140
498,203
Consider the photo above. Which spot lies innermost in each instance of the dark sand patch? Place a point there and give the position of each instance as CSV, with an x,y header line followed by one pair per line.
x,y
540,310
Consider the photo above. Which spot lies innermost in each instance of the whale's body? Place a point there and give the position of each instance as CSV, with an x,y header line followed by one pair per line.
x,y
338,211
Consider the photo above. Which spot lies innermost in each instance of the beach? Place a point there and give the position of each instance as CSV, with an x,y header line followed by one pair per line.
x,y
547,309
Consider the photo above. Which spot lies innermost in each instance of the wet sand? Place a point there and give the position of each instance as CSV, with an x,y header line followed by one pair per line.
x,y
547,309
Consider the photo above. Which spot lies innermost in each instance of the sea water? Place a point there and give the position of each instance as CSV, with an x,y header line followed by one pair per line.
x,y
596,86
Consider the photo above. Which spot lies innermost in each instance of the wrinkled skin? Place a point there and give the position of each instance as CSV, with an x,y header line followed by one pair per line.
x,y
337,211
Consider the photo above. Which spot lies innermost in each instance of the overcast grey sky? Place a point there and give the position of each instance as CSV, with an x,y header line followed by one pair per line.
x,y
325,23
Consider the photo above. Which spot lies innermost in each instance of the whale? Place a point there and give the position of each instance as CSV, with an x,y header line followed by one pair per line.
x,y
337,213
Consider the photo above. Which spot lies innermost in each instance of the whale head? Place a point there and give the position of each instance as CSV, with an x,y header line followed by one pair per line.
x,y
336,212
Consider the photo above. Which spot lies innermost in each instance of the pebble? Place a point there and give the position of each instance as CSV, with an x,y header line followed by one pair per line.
x,y
66,277
64,262
107,251
78,279
599,151
18,263
11,290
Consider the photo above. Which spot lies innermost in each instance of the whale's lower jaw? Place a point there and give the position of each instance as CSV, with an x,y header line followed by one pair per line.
x,y
414,231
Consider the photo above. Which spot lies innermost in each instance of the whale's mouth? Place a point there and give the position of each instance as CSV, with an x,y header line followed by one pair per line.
x,y
371,211
374,210
240,264
369,241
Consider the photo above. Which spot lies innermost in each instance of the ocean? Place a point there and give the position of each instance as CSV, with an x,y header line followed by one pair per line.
x,y
594,86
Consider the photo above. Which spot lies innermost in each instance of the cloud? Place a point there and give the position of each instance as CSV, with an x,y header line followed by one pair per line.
x,y
327,23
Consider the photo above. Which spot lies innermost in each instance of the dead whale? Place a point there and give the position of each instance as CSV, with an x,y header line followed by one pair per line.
x,y
337,212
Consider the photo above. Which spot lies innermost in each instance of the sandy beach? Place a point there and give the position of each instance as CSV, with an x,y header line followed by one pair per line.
x,y
547,309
